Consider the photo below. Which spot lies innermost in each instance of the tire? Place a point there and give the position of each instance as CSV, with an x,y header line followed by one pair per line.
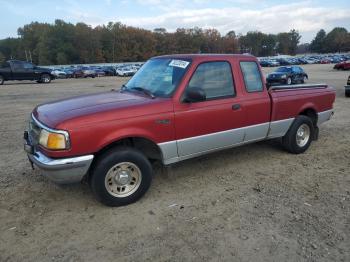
x,y
134,175
2,80
45,78
304,79
347,93
289,81
301,127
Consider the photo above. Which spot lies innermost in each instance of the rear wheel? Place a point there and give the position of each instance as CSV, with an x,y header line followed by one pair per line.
x,y
121,176
2,80
45,78
299,136
289,81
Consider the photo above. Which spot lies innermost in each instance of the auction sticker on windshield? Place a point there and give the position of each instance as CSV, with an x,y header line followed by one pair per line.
x,y
179,63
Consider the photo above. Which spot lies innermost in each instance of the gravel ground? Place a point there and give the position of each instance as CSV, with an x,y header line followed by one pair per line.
x,y
252,203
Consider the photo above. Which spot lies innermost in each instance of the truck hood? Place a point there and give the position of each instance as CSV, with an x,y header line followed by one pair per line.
x,y
107,106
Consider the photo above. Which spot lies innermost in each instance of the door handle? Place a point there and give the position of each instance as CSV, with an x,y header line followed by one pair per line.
x,y
236,106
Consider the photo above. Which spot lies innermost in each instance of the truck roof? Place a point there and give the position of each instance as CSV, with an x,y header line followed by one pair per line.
x,y
201,56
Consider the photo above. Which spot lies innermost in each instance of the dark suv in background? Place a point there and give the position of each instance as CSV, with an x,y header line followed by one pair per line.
x,y
22,70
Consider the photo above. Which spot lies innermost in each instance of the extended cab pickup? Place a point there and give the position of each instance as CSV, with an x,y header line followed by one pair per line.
x,y
21,70
176,107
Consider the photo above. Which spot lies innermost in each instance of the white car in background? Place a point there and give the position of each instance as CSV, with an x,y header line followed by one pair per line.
x,y
125,71
59,73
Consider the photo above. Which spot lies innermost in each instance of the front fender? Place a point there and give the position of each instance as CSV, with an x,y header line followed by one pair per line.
x,y
118,135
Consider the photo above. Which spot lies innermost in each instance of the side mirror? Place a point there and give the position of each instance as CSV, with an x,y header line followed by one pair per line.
x,y
194,94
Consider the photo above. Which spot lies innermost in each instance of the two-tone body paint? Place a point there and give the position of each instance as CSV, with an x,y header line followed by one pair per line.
x,y
181,130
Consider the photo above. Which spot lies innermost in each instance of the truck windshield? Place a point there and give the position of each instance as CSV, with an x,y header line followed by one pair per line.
x,y
159,76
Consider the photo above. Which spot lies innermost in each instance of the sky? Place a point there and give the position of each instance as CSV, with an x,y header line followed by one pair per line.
x,y
308,16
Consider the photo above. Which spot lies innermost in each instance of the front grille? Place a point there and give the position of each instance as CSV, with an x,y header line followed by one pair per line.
x,y
33,132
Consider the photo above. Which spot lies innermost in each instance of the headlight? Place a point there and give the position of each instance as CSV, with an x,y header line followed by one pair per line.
x,y
53,140
283,76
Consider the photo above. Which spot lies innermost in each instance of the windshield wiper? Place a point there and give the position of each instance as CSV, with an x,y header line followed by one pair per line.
x,y
143,90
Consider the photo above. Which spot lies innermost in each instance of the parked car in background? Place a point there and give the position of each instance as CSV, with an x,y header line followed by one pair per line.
x,y
69,72
176,108
125,71
342,65
347,88
59,73
325,61
22,70
267,62
109,71
287,75
89,72
78,73
99,72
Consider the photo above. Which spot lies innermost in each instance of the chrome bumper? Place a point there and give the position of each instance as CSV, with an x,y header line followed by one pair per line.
x,y
60,171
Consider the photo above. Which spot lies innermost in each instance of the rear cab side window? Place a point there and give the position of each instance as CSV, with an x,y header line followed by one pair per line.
x,y
17,66
215,78
252,76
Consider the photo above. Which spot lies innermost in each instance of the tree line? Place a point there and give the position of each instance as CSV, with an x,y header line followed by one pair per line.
x,y
66,43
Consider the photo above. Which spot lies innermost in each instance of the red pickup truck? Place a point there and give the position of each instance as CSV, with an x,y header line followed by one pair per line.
x,y
176,107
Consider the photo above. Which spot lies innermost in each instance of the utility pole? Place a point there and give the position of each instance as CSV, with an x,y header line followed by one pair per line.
x,y
30,55
25,51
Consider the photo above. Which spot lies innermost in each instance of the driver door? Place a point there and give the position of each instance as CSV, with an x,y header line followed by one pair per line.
x,y
214,123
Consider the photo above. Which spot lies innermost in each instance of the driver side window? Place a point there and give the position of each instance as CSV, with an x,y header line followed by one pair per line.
x,y
215,78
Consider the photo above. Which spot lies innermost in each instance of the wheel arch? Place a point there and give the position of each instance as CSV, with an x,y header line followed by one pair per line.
x,y
147,146
311,113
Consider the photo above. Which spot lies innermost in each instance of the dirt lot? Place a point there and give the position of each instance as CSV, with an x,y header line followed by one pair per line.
x,y
253,203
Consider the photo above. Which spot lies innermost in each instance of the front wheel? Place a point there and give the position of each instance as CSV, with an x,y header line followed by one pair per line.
x,y
289,81
299,136
2,80
121,176
45,78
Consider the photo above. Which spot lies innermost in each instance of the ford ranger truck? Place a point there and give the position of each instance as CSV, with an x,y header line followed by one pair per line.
x,y
176,107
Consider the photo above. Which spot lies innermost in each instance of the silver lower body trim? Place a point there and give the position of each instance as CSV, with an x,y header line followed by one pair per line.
x,y
193,145
178,150
279,128
324,116
62,171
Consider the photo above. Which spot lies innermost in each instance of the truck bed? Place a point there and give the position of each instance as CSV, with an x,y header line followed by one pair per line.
x,y
289,101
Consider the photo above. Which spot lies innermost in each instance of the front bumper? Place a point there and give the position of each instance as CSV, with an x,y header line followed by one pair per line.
x,y
62,170
276,81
